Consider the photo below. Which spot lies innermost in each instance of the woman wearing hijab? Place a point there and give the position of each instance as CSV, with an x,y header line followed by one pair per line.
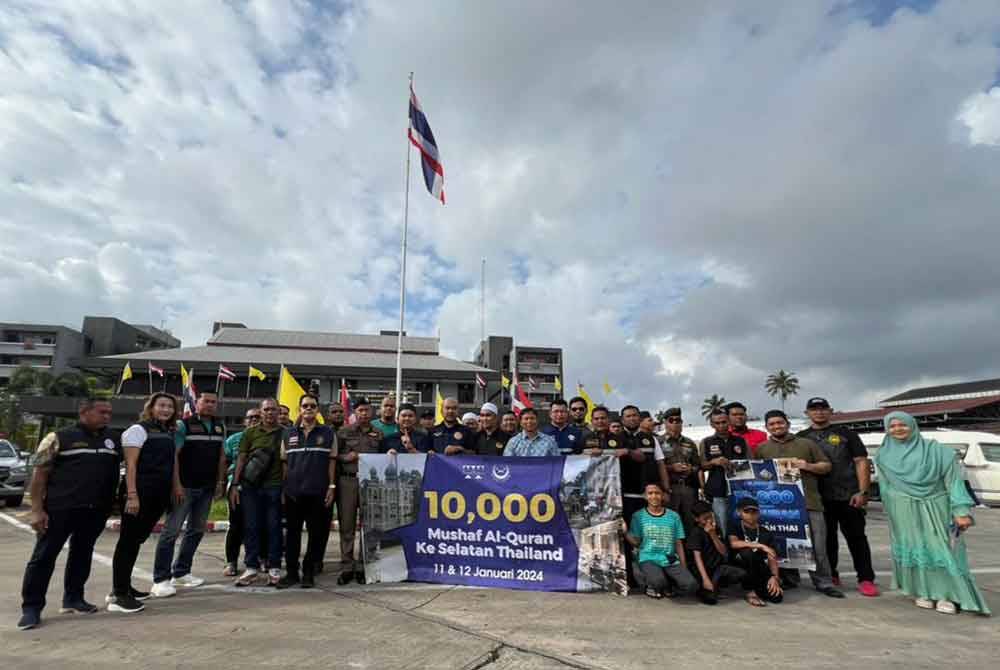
x,y
928,507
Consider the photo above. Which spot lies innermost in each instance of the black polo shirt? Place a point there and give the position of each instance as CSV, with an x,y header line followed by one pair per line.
x,y
728,446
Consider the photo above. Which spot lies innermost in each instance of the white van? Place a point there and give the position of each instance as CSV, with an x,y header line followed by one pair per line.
x,y
978,452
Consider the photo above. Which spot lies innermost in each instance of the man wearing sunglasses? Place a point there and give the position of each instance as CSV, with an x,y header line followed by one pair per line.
x,y
578,413
679,463
309,454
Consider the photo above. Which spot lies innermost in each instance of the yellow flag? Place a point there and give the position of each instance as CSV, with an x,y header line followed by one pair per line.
x,y
504,381
184,377
439,407
257,374
290,392
558,384
607,388
126,373
582,392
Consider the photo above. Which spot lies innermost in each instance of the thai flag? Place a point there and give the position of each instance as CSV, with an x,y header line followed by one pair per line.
x,y
345,400
480,381
153,368
226,374
188,392
423,139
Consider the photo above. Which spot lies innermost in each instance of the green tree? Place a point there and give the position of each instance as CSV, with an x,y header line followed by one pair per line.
x,y
712,403
782,385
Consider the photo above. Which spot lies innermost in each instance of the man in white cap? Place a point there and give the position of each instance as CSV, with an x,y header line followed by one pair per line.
x,y
490,440
471,421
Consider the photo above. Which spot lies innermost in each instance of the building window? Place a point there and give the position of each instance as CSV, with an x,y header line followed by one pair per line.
x,y
466,394
426,391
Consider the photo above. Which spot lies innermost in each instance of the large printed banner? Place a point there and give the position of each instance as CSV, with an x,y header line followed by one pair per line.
x,y
548,524
777,488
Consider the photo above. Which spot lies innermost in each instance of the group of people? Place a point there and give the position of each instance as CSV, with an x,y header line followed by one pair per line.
x,y
676,499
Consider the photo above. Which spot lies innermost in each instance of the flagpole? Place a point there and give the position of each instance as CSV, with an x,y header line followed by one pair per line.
x,y
249,377
149,371
402,272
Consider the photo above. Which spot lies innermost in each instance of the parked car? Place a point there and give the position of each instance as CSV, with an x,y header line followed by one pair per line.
x,y
13,474
978,452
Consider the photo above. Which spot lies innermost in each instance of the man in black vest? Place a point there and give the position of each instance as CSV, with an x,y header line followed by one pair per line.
x,y
309,452
201,462
717,453
490,440
72,489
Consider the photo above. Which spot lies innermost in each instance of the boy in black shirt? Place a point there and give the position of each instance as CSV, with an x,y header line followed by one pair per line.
x,y
754,548
709,553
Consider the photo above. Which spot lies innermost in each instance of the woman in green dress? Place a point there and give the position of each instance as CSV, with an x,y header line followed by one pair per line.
x,y
928,506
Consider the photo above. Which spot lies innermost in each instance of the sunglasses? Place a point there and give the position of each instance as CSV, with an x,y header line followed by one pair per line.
x,y
310,406
673,420
578,409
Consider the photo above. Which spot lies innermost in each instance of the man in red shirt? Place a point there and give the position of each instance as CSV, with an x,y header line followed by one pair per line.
x,y
737,412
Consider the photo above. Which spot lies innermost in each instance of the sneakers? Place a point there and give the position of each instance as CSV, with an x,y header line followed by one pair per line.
x,y
946,607
869,589
29,619
79,606
924,603
653,593
287,581
139,595
163,589
273,576
248,577
230,570
125,605
188,581
346,577
831,592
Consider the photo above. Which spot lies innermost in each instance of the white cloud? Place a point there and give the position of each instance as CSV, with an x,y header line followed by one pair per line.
x,y
981,115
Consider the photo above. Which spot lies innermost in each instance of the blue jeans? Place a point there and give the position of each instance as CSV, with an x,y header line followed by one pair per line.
x,y
262,511
720,505
195,508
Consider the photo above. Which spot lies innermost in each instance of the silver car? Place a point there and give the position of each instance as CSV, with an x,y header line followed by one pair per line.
x,y
13,474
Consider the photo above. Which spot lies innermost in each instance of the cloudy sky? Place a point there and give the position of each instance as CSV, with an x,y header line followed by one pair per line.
x,y
684,199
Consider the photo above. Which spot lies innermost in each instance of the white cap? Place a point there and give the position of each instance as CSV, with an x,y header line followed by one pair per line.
x,y
470,416
489,407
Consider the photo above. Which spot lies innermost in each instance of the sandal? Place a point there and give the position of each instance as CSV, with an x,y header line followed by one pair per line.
x,y
653,593
755,600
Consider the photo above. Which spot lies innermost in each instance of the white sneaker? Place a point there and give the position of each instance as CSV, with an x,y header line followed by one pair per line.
x,y
946,607
187,581
274,576
247,578
163,589
924,603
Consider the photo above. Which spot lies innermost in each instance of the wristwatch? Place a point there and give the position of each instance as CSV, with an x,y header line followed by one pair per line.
x,y
332,486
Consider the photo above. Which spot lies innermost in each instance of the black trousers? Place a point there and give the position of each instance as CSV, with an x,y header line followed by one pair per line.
x,y
81,527
851,521
234,536
629,507
311,511
758,572
134,531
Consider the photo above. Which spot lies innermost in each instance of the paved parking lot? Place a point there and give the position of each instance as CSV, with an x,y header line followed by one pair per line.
x,y
426,626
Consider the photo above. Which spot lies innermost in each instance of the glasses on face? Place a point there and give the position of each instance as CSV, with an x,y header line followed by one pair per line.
x,y
577,409
674,420
309,406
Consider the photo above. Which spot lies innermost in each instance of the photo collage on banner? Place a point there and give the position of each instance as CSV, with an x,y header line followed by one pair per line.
x,y
549,524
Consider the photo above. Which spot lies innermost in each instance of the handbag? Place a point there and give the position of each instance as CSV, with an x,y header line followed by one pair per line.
x,y
260,462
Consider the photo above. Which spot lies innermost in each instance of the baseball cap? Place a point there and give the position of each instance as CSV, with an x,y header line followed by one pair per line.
x,y
817,403
747,502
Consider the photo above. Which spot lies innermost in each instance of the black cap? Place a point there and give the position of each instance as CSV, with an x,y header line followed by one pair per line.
x,y
408,405
773,413
747,502
361,401
817,403
645,415
673,411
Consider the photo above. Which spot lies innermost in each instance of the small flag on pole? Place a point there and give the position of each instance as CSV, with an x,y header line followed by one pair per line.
x,y
126,375
504,381
558,385
607,388
423,139
438,407
480,381
153,368
226,374
532,384
188,391
519,400
256,374
345,401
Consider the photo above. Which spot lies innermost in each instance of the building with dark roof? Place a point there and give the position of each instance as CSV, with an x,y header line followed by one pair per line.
x,y
968,405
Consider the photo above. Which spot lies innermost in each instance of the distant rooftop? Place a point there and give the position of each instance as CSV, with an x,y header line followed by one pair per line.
x,y
316,341
979,389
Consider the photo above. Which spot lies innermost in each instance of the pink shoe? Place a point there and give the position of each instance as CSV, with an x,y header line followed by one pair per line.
x,y
868,589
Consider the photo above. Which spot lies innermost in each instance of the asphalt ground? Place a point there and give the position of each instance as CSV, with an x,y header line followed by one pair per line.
x,y
428,626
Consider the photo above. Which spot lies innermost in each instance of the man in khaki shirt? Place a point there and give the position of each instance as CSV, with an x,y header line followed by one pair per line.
x,y
811,462
361,438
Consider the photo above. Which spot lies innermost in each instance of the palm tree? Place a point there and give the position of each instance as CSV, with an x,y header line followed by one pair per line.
x,y
711,403
782,384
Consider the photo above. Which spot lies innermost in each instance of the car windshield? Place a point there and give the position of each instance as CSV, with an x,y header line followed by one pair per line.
x,y
991,452
7,451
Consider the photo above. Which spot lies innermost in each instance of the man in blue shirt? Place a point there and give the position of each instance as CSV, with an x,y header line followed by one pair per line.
x,y
568,437
450,437
529,442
